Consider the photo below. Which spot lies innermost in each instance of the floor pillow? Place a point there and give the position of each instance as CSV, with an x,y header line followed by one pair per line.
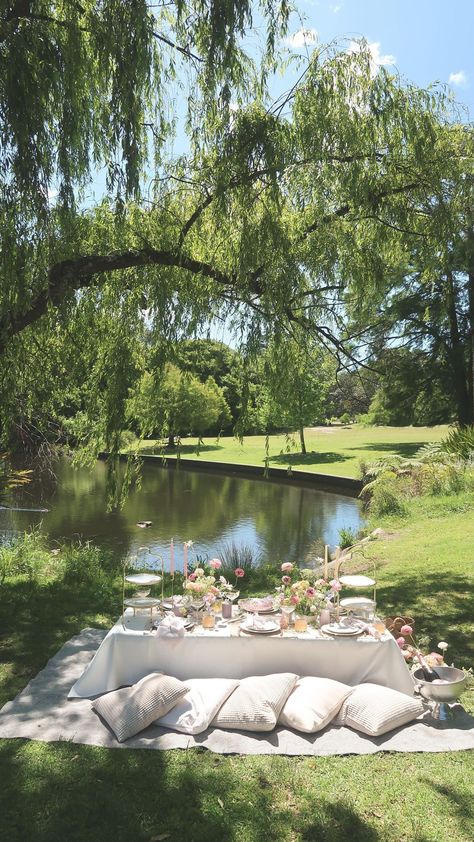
x,y
197,708
313,703
256,703
131,709
374,710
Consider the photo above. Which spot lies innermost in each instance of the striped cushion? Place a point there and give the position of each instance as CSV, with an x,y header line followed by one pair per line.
x,y
256,703
374,710
131,709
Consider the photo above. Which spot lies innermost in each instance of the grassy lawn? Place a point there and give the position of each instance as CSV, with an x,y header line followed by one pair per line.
x,y
331,450
69,792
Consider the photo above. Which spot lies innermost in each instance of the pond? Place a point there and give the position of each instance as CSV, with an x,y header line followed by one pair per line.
x,y
279,521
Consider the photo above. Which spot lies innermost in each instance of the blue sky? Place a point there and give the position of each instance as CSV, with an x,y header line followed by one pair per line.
x,y
428,40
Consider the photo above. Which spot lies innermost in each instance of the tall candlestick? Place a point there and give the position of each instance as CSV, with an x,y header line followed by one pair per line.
x,y
326,554
185,563
172,558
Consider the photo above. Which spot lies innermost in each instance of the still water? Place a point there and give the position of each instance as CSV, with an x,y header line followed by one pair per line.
x,y
277,520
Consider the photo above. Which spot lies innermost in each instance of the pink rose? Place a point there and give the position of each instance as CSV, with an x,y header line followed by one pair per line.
x,y
294,599
286,580
216,563
401,642
287,566
436,657
406,630
214,590
239,572
335,585
192,577
310,592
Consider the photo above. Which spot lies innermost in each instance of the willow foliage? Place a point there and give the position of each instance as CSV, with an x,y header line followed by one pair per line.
x,y
280,216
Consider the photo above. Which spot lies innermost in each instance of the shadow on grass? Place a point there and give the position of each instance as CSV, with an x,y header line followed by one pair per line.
x,y
184,450
72,793
37,619
312,458
442,606
405,449
459,805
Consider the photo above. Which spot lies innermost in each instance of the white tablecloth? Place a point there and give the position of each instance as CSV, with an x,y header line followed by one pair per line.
x,y
126,655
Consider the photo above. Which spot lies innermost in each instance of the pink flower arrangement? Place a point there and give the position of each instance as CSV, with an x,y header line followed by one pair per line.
x,y
215,563
307,594
406,630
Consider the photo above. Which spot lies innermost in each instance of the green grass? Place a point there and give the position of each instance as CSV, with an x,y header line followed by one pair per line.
x,y
331,450
78,793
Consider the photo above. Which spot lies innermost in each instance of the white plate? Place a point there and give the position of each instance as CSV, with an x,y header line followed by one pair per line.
x,y
343,631
357,581
247,605
143,579
251,630
357,601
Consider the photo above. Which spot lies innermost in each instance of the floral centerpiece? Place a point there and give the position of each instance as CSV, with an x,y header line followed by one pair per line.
x,y
205,583
309,595
412,654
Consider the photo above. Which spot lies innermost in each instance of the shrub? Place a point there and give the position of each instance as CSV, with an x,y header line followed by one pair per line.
x,y
460,441
386,498
26,555
347,537
234,555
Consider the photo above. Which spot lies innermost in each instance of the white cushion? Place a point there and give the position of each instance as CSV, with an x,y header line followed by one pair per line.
x,y
374,710
131,709
313,704
256,703
198,707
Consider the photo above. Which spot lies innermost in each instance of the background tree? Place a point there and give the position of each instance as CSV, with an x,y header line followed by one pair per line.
x,y
175,403
297,378
284,215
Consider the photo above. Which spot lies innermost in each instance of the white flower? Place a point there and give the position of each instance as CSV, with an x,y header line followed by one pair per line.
x,y
188,544
443,646
313,609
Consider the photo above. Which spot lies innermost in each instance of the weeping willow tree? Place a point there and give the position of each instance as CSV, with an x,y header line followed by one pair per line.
x,y
282,214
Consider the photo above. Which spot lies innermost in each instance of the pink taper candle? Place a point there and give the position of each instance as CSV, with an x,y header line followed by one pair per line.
x,y
172,558
185,563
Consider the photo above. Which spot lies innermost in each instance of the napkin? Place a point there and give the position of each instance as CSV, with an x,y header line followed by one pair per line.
x,y
256,622
171,626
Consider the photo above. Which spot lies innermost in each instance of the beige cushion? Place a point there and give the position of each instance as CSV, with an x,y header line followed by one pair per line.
x,y
313,704
256,703
198,707
374,710
131,709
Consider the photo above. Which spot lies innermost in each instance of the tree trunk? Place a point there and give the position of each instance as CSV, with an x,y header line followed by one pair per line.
x,y
303,445
170,441
457,358
471,345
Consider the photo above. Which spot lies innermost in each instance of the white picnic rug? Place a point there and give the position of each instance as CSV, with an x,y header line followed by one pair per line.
x,y
43,712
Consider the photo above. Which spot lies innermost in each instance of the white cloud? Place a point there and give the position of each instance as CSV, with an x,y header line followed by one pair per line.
x,y
335,8
459,79
376,58
301,38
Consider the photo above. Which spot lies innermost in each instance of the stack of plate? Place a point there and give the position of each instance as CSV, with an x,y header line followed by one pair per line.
x,y
338,630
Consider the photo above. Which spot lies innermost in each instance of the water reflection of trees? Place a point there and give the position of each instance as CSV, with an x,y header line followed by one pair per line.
x,y
197,505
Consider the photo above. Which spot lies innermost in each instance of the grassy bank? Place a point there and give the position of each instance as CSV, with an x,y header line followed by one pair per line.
x,y
331,450
79,793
